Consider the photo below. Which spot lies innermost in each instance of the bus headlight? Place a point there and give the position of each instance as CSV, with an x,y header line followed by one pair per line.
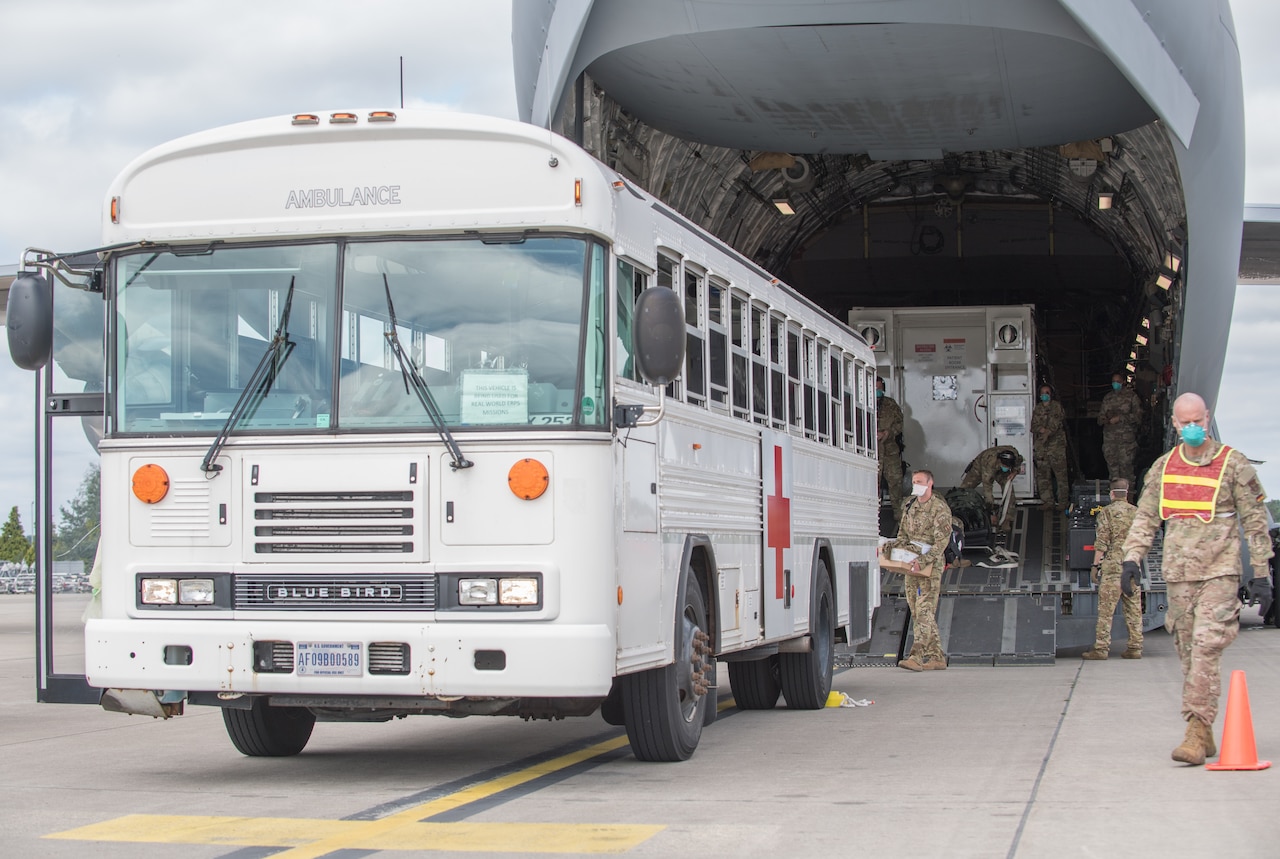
x,y
478,592
171,591
518,591
195,591
160,591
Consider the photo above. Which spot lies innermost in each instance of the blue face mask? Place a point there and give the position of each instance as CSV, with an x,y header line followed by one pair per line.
x,y
879,394
1005,469
1044,398
1115,386
1193,435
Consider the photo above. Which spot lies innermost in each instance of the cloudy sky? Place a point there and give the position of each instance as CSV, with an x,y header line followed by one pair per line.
x,y
85,86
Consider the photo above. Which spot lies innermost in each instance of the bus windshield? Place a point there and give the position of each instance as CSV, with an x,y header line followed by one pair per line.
x,y
495,330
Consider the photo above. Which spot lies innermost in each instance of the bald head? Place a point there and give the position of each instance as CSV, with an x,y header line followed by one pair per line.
x,y
1189,408
1191,420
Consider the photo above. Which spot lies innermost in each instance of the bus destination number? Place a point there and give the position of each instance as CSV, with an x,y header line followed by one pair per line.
x,y
329,659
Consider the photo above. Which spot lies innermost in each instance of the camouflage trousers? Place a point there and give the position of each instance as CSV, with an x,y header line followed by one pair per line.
x,y
1204,618
1109,594
922,599
1051,465
1119,453
891,473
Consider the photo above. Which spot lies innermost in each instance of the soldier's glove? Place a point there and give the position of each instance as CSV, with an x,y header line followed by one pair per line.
x,y
1260,590
1095,573
1130,577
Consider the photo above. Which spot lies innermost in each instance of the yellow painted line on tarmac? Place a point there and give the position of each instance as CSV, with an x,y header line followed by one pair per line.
x,y
404,830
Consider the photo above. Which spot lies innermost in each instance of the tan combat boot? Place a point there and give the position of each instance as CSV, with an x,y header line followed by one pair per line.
x,y
935,665
1095,653
1194,746
911,664
1132,653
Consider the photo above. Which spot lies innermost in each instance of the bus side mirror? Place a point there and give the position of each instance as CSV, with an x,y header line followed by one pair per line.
x,y
658,337
29,320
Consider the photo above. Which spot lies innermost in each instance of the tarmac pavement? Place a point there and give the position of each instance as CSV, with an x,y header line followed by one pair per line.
x,y
1070,759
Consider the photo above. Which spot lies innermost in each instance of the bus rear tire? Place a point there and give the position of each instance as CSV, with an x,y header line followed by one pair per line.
x,y
665,708
268,732
755,684
806,677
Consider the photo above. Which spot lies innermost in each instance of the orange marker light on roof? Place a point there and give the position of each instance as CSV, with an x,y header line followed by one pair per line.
x,y
342,117
305,119
528,479
382,116
115,210
577,192
150,484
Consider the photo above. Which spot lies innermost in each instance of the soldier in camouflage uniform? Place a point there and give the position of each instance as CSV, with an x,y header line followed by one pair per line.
x,y
1049,429
1207,493
1119,417
1113,523
926,519
999,464
888,428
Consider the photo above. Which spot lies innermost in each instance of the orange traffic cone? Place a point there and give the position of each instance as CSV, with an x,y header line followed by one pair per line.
x,y
1238,749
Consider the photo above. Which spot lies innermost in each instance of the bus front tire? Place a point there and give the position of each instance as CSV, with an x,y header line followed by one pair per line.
x,y
664,708
806,677
268,732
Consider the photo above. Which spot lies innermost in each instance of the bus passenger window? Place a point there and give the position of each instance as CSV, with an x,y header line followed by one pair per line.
x,y
777,373
837,396
739,380
793,379
718,344
695,378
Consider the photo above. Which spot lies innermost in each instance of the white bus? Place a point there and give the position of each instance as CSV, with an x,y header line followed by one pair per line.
x,y
420,413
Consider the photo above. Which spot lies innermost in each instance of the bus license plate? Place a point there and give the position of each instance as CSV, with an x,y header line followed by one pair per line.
x,y
329,659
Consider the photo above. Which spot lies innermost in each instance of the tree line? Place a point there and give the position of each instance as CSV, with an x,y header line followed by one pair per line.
x,y
76,535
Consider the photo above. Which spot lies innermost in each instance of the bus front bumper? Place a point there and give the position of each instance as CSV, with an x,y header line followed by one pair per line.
x,y
499,660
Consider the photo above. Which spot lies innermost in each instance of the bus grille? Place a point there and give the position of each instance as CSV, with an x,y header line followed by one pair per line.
x,y
334,592
328,522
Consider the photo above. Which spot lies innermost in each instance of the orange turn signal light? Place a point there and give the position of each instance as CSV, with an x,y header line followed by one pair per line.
x,y
528,479
150,484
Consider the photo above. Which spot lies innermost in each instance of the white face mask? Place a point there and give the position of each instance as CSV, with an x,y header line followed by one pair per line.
x,y
919,489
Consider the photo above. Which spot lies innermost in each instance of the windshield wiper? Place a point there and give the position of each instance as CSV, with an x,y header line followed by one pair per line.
x,y
413,379
258,386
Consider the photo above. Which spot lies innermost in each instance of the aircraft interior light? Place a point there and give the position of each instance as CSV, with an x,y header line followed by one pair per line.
x,y
783,205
